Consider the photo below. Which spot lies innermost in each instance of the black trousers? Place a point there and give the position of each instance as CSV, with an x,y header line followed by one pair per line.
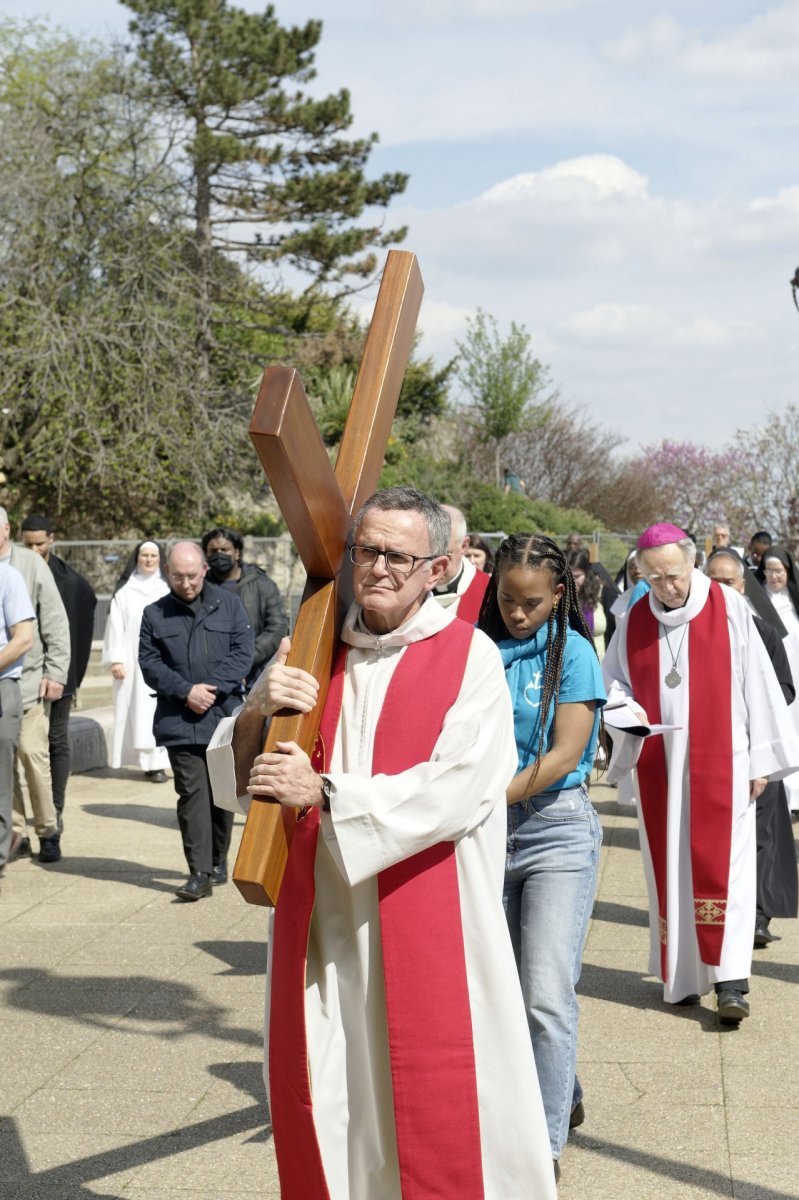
x,y
60,761
777,879
205,829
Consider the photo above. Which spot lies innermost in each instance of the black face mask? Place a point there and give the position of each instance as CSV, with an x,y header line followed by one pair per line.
x,y
221,564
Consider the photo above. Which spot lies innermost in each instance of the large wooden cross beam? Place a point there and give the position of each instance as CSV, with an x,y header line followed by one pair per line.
x,y
317,503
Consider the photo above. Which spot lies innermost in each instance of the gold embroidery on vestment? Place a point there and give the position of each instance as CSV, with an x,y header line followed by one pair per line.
x,y
709,912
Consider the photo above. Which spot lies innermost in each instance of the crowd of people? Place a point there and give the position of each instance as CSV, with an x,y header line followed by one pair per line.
x,y
222,620
426,947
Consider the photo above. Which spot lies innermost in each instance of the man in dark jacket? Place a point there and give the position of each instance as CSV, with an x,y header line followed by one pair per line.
x,y
258,593
195,651
80,601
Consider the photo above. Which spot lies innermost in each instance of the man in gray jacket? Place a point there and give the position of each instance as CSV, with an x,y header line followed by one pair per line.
x,y
43,678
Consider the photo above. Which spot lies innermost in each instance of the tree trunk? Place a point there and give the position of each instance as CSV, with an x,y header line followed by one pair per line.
x,y
203,244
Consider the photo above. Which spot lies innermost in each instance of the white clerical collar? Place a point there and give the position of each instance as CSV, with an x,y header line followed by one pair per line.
x,y
672,617
462,580
429,619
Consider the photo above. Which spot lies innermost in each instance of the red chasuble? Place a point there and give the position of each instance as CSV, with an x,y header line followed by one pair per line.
x,y
427,1002
710,763
470,602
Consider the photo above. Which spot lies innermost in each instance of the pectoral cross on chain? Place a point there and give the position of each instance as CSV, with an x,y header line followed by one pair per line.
x,y
318,503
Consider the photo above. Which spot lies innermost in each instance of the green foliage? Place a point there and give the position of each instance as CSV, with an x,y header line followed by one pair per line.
x,y
503,380
261,151
424,392
261,524
132,344
612,552
97,334
487,508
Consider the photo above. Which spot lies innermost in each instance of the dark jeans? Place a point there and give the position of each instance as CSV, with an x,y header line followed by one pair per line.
x,y
59,749
205,829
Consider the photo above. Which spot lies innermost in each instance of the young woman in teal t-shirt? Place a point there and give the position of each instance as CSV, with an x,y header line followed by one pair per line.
x,y
532,612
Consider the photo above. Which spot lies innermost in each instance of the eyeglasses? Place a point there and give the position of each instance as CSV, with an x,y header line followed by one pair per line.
x,y
774,571
397,561
185,578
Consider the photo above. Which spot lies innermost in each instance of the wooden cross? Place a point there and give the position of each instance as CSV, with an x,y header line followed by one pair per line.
x,y
318,503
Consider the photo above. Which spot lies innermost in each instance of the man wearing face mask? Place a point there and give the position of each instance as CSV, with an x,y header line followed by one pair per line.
x,y
258,593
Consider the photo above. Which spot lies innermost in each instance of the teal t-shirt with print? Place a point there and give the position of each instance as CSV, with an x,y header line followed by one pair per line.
x,y
581,681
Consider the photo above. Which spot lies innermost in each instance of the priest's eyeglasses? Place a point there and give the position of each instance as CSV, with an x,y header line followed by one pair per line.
x,y
397,561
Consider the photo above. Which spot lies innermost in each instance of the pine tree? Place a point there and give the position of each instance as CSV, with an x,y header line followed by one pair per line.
x,y
269,171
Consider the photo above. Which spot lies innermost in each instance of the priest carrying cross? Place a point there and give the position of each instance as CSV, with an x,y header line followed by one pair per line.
x,y
398,1056
690,655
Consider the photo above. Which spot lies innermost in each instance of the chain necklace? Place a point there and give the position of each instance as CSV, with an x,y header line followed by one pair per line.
x,y
674,678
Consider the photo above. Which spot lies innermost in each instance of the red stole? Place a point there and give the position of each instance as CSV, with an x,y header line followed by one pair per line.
x,y
427,1002
469,604
709,763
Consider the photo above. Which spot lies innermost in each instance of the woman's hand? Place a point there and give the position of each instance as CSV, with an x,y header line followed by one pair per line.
x,y
118,670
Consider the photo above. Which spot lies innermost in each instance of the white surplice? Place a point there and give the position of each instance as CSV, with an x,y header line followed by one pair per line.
x,y
134,702
377,821
764,744
784,605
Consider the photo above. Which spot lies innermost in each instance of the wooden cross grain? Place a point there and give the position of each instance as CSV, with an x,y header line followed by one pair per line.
x,y
318,503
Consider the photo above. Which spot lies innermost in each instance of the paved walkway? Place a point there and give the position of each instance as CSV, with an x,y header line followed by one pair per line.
x,y
131,1033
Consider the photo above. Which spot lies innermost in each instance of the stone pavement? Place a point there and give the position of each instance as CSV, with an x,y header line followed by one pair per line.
x,y
131,1033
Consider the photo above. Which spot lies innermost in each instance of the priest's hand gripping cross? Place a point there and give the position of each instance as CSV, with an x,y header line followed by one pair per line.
x,y
318,503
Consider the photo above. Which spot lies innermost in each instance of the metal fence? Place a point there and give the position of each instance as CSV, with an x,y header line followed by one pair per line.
x,y
102,562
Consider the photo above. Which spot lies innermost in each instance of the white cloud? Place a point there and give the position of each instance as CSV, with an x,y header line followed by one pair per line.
x,y
593,177
663,36
766,47
442,324
617,323
657,312
628,325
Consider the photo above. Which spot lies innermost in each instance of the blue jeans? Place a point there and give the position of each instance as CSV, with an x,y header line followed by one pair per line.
x,y
550,881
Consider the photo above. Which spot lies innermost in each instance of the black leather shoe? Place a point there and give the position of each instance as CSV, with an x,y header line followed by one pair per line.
x,y
556,1169
219,873
763,935
733,1006
195,887
687,1001
577,1115
49,849
157,776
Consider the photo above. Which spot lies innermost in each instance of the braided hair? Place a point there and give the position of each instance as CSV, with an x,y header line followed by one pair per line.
x,y
535,551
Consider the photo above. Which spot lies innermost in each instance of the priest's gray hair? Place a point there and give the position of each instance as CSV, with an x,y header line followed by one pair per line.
x,y
3,517
457,522
687,546
407,499
731,554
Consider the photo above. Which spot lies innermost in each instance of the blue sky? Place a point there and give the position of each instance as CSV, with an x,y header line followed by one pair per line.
x,y
620,177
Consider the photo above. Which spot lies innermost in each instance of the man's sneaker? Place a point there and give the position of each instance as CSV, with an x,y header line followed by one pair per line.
x,y
49,849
